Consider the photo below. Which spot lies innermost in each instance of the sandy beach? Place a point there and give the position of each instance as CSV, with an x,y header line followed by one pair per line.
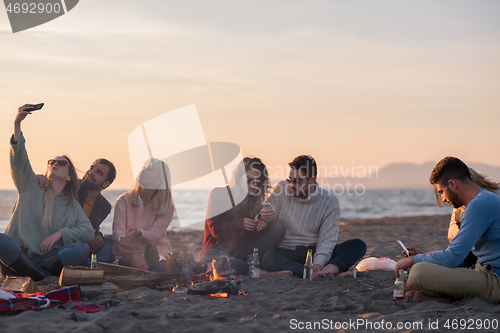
x,y
282,303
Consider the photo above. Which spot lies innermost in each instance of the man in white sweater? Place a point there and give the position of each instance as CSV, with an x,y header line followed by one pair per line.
x,y
311,216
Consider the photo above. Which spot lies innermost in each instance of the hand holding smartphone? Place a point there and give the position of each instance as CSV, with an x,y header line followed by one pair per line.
x,y
267,207
403,247
35,107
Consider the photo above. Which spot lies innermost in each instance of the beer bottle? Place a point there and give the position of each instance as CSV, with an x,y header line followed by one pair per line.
x,y
399,288
255,268
308,266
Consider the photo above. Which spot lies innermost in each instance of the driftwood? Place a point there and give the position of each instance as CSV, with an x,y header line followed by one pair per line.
x,y
111,269
81,276
19,284
129,278
153,281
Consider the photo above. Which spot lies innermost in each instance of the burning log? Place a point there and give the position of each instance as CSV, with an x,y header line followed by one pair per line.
x,y
223,284
213,287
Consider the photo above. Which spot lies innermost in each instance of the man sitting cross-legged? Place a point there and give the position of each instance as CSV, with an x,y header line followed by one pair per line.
x,y
311,216
435,276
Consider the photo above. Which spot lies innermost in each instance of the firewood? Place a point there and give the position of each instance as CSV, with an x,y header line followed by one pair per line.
x,y
81,276
127,282
111,269
213,287
19,284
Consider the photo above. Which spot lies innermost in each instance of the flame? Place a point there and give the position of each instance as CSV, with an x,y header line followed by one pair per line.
x,y
214,271
217,295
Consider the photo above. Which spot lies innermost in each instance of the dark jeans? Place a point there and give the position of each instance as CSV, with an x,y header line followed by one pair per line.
x,y
268,241
72,254
105,253
344,255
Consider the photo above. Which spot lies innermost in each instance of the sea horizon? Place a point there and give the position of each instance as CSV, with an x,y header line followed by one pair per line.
x,y
371,204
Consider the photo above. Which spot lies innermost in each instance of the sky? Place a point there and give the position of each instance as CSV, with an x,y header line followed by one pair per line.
x,y
353,83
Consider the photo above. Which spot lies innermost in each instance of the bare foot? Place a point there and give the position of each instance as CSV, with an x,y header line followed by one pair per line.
x,y
323,274
328,269
346,273
417,295
263,272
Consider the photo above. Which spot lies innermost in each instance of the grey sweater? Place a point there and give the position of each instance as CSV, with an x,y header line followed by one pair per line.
x,y
311,221
25,226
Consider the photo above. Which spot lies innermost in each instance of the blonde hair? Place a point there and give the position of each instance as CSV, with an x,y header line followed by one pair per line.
x,y
162,199
69,192
480,180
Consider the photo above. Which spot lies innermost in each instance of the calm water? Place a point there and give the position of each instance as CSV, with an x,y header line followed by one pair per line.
x,y
372,204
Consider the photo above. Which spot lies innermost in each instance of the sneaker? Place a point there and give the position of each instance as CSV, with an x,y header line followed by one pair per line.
x,y
152,257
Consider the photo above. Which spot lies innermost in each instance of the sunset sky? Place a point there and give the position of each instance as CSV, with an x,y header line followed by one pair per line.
x,y
353,83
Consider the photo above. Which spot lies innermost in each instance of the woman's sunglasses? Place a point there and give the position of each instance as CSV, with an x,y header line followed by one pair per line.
x,y
61,163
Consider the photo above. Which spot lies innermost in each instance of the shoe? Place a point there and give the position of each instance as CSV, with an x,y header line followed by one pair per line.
x,y
52,264
23,266
152,257
162,266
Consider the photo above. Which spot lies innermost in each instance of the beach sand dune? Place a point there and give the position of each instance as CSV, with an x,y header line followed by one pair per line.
x,y
281,303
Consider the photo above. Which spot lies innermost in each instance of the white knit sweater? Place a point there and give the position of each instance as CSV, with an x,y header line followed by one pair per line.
x,y
311,221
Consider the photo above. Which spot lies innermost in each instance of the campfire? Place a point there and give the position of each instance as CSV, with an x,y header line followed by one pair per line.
x,y
219,281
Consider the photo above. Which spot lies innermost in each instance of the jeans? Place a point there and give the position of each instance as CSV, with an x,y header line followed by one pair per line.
x,y
105,253
72,254
344,255
269,240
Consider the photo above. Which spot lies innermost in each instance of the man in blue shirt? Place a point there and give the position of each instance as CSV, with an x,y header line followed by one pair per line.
x,y
435,275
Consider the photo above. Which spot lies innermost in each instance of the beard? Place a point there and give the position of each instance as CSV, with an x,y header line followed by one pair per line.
x,y
86,182
455,201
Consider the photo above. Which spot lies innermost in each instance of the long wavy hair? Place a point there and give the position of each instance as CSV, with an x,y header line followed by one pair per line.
x,y
159,181
480,180
252,204
69,192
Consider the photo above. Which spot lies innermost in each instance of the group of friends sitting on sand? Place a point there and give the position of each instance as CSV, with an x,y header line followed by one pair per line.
x,y
56,221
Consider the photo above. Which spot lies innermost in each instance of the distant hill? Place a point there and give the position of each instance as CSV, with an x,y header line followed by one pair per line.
x,y
404,176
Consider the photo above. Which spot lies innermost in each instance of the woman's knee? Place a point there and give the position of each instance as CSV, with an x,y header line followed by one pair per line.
x,y
9,251
79,250
277,227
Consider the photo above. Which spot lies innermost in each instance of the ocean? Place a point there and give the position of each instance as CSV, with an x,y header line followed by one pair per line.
x,y
370,204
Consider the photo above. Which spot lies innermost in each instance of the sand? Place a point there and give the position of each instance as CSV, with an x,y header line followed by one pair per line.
x,y
281,303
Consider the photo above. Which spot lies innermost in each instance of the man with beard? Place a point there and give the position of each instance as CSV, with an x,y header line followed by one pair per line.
x,y
311,215
435,276
97,178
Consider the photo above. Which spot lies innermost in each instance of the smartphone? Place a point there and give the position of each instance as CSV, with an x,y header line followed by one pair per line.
x,y
36,107
267,206
403,247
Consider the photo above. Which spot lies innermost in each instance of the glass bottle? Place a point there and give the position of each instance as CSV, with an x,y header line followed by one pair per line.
x,y
93,261
255,267
308,266
399,288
